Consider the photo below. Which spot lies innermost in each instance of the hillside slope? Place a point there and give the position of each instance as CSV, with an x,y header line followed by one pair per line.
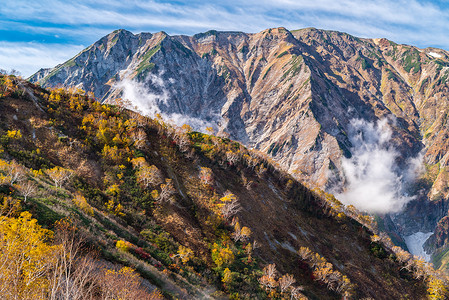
x,y
310,82
196,215
294,95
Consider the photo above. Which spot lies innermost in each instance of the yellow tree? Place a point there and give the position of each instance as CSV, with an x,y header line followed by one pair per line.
x,y
14,134
25,258
229,205
59,175
9,206
14,172
437,289
139,162
241,233
268,280
227,276
185,254
81,202
210,130
222,256
124,284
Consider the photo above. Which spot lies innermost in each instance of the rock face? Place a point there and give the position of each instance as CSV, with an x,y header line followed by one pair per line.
x,y
289,94
292,95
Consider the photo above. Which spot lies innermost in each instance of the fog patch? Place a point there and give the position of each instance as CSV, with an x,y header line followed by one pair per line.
x,y
139,97
374,181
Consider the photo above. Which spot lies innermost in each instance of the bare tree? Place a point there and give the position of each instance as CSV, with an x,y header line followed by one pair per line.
x,y
285,282
122,104
183,142
167,190
295,293
15,172
270,271
305,253
139,137
232,157
141,120
401,255
59,175
261,171
241,233
268,280
74,274
27,189
10,207
229,206
124,284
149,176
206,176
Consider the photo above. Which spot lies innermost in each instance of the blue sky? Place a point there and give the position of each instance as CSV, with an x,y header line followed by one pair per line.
x,y
43,33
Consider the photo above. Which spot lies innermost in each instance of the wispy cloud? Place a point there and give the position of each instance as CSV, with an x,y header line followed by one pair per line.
x,y
29,57
83,22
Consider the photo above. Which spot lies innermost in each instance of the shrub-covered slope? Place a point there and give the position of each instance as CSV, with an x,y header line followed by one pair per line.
x,y
196,215
293,95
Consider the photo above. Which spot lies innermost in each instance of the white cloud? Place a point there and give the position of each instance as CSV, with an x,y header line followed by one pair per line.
x,y
27,58
404,21
149,102
374,182
83,22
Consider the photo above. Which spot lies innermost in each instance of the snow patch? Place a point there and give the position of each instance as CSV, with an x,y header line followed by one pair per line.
x,y
287,246
293,236
434,54
415,243
275,191
272,245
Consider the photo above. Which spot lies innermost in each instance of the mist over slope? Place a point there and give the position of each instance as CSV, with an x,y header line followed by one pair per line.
x,y
374,181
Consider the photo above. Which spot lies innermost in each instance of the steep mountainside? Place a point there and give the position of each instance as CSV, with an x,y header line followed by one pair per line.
x,y
197,215
290,94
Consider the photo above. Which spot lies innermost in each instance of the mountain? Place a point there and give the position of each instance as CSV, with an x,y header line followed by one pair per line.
x,y
294,95
305,80
197,216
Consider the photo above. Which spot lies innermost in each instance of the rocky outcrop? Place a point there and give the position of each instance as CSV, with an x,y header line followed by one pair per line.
x,y
289,94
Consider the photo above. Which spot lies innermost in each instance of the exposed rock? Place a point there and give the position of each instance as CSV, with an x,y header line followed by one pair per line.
x,y
290,94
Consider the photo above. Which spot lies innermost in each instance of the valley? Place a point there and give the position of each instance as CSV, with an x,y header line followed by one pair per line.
x,y
282,164
166,212
296,95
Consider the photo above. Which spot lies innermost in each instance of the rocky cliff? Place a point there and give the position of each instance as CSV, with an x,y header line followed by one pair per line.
x,y
290,94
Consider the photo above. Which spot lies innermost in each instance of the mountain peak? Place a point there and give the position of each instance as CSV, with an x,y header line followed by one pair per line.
x,y
240,81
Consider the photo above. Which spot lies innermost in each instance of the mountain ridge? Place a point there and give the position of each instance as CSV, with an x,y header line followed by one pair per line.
x,y
210,38
291,94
